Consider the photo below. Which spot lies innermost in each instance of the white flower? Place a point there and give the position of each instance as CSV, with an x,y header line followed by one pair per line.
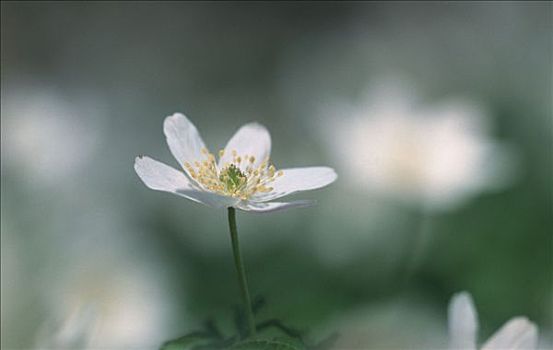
x,y
242,178
105,307
517,334
48,138
438,155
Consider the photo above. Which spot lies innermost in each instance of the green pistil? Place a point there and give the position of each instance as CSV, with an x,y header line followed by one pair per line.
x,y
233,178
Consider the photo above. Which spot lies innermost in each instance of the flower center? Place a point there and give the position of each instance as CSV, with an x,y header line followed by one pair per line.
x,y
239,178
232,178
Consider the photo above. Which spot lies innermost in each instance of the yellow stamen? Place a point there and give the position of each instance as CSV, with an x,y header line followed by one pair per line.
x,y
237,178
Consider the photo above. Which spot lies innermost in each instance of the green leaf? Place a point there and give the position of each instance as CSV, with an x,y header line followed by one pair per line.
x,y
185,342
267,344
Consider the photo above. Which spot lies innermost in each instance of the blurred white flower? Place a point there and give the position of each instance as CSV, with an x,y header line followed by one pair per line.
x,y
517,334
243,178
71,332
437,155
104,305
49,137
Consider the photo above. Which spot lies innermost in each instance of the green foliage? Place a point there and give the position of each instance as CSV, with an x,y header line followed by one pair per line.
x,y
188,341
197,341
210,337
268,344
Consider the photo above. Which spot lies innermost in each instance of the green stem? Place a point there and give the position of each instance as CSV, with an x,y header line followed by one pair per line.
x,y
240,270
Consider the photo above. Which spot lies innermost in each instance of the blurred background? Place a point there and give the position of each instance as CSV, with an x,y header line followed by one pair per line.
x,y
437,117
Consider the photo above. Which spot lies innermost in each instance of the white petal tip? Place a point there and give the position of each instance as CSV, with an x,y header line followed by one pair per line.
x,y
176,115
463,296
141,161
333,176
328,175
462,322
517,334
528,327
138,160
175,118
461,303
255,125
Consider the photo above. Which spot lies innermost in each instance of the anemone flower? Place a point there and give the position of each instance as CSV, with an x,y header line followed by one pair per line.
x,y
438,155
242,178
517,334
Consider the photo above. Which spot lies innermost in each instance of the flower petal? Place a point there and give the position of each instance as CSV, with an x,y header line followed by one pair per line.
x,y
517,334
161,177
183,139
463,322
273,206
208,198
252,139
298,179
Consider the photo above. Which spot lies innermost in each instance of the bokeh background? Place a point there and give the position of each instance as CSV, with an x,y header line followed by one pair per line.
x,y
89,253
